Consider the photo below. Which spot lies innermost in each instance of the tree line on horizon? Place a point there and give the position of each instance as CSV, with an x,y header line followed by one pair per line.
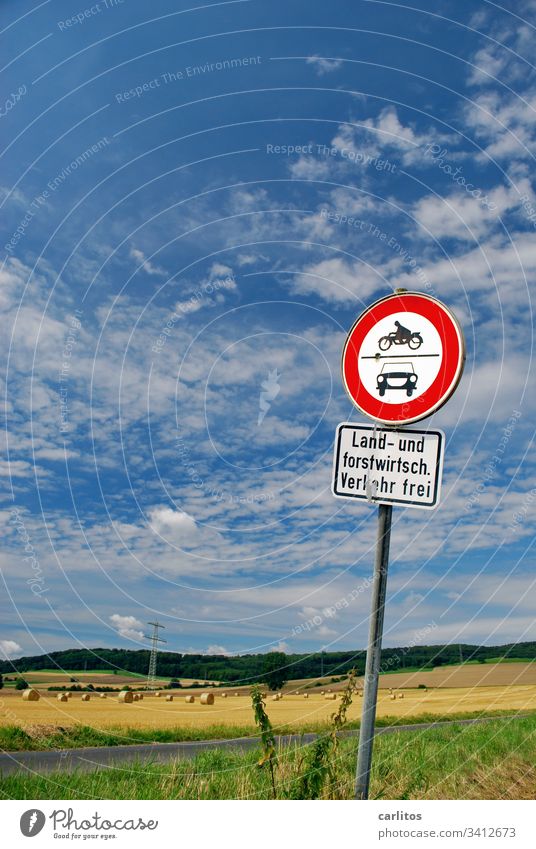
x,y
249,668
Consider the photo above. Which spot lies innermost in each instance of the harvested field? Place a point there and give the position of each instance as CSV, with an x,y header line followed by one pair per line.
x,y
291,712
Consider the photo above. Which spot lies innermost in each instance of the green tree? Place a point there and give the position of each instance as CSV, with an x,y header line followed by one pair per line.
x,y
274,670
1,682
21,684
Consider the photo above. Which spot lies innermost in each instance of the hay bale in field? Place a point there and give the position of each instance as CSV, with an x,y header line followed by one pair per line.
x,y
140,696
135,697
280,695
330,690
158,695
275,698
189,700
62,697
401,695
392,697
207,698
102,696
86,697
237,694
169,698
306,695
330,696
224,695
297,692
30,695
125,696
69,695
322,692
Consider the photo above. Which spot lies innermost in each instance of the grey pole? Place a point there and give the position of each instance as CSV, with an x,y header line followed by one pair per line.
x,y
372,669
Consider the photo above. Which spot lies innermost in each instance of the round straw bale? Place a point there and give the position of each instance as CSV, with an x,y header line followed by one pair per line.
x,y
237,694
135,697
224,695
30,695
69,695
330,696
126,696
86,697
306,695
401,695
102,696
169,698
140,696
322,692
158,695
207,698
275,698
330,690
280,695
392,697
189,700
62,697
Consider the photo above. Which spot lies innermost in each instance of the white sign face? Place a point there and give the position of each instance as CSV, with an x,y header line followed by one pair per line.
x,y
386,466
392,369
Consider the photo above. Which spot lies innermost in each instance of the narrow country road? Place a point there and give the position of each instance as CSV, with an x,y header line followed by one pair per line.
x,y
113,757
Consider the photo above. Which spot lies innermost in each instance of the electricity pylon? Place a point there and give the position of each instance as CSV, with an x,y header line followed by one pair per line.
x,y
155,639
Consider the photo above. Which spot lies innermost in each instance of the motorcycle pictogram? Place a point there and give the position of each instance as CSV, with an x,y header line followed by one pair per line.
x,y
400,336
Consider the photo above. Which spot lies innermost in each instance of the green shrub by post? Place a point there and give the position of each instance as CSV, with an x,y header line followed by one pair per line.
x,y
262,720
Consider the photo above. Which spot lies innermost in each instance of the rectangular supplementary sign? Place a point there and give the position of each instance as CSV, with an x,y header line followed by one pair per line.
x,y
387,466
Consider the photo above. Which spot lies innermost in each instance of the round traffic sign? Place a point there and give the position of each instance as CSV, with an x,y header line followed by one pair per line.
x,y
403,358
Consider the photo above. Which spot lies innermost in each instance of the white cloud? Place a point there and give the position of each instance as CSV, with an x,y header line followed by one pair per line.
x,y
338,281
147,265
164,518
216,649
323,66
9,648
127,626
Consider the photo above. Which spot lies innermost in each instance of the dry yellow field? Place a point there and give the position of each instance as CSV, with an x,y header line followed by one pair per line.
x,y
51,678
291,711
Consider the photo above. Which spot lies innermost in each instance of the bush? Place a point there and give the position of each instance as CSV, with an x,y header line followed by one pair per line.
x,y
21,684
1,682
174,685
422,687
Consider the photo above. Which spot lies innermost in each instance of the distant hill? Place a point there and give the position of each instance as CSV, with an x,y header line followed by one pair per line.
x,y
249,667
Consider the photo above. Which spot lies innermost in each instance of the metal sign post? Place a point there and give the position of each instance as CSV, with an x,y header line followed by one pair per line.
x,y
403,466
374,650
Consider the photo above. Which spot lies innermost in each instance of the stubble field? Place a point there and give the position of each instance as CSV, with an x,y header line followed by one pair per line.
x,y
292,712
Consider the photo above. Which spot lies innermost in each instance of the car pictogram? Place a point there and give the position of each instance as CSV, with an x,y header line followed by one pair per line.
x,y
397,376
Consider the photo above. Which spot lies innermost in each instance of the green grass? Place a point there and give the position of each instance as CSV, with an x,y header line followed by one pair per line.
x,y
490,761
15,739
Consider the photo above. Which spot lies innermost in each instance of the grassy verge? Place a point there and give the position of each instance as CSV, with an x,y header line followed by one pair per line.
x,y
491,761
13,738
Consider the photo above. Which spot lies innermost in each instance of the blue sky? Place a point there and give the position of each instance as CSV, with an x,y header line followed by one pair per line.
x,y
197,202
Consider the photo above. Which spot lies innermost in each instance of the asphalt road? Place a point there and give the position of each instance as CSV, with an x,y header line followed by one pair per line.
x,y
113,757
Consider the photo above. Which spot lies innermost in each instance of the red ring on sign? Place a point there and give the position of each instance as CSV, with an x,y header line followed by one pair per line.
x,y
449,371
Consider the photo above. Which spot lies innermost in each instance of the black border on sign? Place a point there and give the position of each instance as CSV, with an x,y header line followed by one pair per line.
x,y
369,428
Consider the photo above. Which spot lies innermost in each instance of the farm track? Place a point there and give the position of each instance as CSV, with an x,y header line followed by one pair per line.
x,y
113,757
